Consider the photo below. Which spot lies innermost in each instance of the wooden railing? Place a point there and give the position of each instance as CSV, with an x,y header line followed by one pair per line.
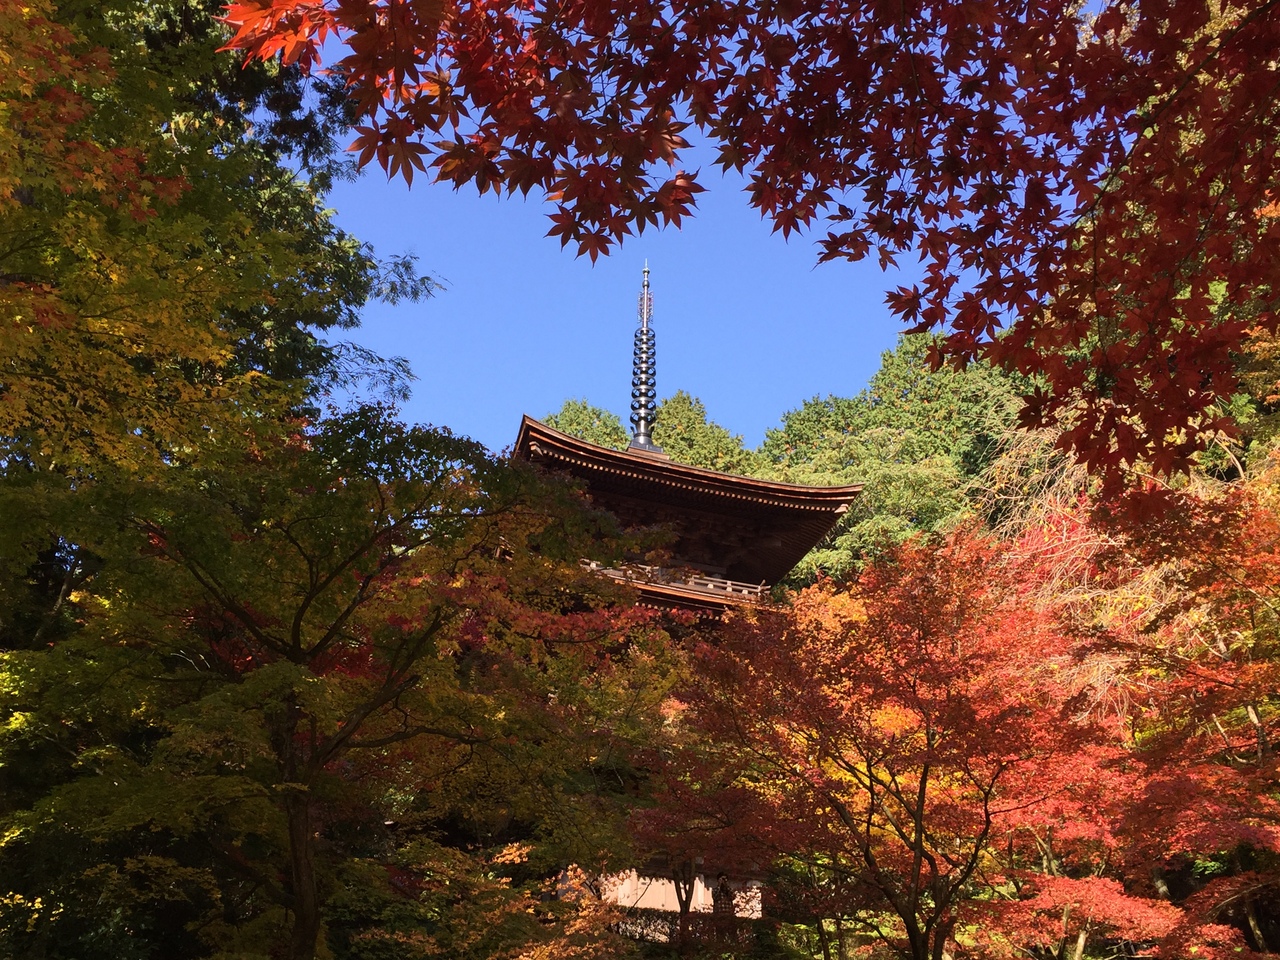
x,y
638,572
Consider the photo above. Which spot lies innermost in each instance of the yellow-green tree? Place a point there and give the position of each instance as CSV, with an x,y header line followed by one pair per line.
x,y
167,267
322,683
270,683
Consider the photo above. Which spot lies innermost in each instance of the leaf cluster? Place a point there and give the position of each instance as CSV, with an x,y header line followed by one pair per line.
x,y
1100,183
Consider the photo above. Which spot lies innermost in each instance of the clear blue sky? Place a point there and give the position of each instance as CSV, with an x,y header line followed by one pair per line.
x,y
744,320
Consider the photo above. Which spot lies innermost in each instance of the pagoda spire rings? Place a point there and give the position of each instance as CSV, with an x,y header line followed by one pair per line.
x,y
644,382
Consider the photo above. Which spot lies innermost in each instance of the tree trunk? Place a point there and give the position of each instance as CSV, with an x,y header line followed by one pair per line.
x,y
306,900
1162,887
1251,915
1264,744
821,927
941,934
684,877
1081,941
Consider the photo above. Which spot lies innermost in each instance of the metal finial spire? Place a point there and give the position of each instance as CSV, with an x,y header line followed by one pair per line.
x,y
644,392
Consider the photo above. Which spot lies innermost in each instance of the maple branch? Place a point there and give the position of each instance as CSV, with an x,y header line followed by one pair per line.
x,y
334,629
867,849
387,560
394,686
353,556
918,854
893,790
408,733
286,530
411,650
238,864
1151,121
1222,41
70,581
213,587
1227,740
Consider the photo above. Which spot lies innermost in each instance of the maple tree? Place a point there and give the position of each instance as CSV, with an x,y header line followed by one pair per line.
x,y
1169,596
167,270
324,682
1093,706
1096,182
884,736
272,683
1203,644
163,265
73,210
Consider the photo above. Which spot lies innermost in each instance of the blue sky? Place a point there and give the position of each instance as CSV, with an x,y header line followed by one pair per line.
x,y
744,320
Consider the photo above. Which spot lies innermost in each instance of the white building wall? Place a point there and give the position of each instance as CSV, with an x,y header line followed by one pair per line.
x,y
631,889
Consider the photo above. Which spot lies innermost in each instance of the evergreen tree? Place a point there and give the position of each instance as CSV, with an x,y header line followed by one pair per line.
x,y
578,418
682,429
916,437
687,435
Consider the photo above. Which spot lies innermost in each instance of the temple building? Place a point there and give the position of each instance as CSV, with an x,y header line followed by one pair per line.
x,y
731,537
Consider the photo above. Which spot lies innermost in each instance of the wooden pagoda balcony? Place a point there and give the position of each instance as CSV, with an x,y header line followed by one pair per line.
x,y
668,583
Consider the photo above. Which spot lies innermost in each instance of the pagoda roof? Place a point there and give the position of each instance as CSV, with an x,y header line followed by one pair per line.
x,y
741,528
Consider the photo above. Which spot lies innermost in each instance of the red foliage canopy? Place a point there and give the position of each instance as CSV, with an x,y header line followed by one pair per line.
x,y
1097,181
891,738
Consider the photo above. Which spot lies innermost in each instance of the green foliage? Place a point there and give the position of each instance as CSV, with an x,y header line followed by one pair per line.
x,y
167,266
1254,410
682,429
304,661
163,254
685,434
256,664
578,418
916,437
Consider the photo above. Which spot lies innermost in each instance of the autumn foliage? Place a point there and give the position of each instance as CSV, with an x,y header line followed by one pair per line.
x,y
252,648
279,680
885,739
1055,744
1097,182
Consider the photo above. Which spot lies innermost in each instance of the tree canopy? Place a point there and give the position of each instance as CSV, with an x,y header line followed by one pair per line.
x,y
301,680
1099,183
159,253
579,418
919,439
682,429
275,680
283,680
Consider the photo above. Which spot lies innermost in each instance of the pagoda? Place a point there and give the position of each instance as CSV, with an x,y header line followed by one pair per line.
x,y
731,538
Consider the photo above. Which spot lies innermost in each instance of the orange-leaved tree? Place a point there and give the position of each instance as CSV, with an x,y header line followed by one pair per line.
x,y
887,739
1203,665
